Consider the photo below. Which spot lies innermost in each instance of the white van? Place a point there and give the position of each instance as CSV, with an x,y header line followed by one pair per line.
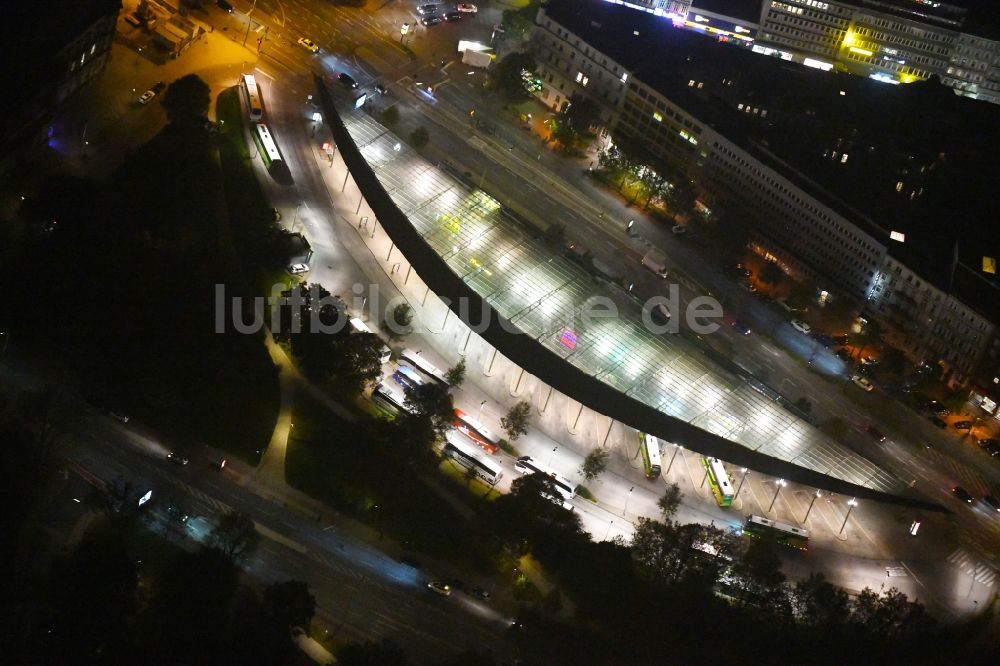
x,y
362,327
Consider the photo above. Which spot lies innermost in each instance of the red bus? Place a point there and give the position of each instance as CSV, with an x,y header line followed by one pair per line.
x,y
476,431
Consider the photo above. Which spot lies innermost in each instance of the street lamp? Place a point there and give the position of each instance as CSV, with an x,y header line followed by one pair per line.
x,y
677,447
404,30
627,499
746,473
851,503
479,414
609,529
813,501
777,489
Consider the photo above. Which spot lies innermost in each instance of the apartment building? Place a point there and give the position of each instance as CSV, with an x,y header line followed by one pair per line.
x,y
818,164
895,41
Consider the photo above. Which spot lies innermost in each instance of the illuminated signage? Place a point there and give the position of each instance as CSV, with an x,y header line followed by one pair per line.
x,y
568,338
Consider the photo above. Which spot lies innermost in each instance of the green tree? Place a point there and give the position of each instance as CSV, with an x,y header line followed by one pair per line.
x,y
515,423
518,22
419,137
816,602
186,100
456,374
594,464
355,362
670,501
390,116
398,321
289,604
235,536
507,77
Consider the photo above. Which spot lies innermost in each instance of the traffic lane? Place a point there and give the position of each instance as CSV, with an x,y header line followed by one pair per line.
x,y
378,573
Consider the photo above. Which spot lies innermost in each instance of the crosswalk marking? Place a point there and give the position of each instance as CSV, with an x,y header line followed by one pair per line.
x,y
979,571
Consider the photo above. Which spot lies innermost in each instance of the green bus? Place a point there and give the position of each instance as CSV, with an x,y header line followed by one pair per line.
x,y
718,479
649,446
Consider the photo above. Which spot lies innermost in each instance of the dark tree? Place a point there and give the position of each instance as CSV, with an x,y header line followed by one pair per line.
x,y
594,464
804,405
515,423
771,273
433,403
356,362
289,604
818,603
398,321
186,100
234,536
456,374
670,501
390,116
506,77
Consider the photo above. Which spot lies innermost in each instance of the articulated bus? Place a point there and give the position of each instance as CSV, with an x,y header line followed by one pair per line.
x,y
476,431
467,457
649,446
268,148
407,377
255,104
718,479
391,397
786,535
362,327
528,465
420,363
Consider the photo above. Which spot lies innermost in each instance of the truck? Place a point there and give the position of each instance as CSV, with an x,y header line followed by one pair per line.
x,y
656,261
477,58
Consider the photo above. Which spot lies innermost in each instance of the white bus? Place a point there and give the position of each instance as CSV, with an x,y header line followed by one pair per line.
x,y
391,397
528,465
255,104
420,363
268,148
362,327
469,458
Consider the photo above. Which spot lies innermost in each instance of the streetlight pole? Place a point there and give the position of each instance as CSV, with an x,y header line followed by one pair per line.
x,y
609,529
777,489
850,505
553,454
813,501
249,22
746,473
479,414
677,447
627,499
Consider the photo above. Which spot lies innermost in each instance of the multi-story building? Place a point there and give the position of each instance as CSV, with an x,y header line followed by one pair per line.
x,y
843,180
678,8
896,41
55,49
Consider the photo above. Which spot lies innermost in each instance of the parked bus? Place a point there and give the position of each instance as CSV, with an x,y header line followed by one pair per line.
x,y
251,92
476,431
407,377
718,479
467,457
649,446
267,147
391,397
420,363
528,465
362,327
786,535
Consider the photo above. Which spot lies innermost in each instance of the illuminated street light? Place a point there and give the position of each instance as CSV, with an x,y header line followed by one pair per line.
x,y
479,415
677,447
627,499
777,489
746,473
851,503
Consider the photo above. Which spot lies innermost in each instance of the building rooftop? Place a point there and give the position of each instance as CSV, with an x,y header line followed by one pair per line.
x,y
744,10
919,158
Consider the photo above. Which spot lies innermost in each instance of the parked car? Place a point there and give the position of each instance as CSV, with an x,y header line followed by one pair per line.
x,y
801,326
177,515
962,494
308,45
741,271
347,81
869,360
992,502
145,97
991,446
481,593
452,16
380,89
427,10
439,587
428,21
938,422
875,433
298,269
962,425
679,230
158,87
660,314
862,382
467,8
941,410
840,339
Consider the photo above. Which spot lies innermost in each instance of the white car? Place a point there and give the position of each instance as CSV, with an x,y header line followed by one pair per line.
x,y
466,7
801,326
862,382
298,269
146,96
439,587
679,230
308,44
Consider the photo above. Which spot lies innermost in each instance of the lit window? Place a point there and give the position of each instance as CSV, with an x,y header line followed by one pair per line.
x,y
624,77
899,186
657,116
691,83
843,158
